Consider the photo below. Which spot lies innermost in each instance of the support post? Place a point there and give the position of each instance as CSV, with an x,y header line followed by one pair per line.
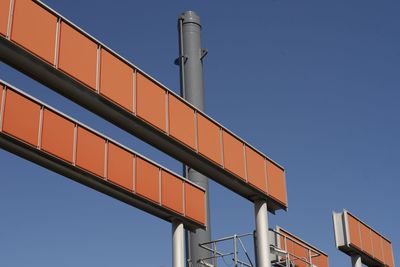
x,y
191,72
261,236
356,260
178,244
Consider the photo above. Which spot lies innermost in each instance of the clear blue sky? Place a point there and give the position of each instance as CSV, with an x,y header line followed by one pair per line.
x,y
313,84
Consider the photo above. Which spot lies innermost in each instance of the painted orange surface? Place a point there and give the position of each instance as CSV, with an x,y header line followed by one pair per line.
x,y
17,107
4,12
388,253
321,261
195,203
233,154
209,139
181,121
147,180
116,80
256,169
90,152
377,246
171,192
150,102
57,135
2,87
276,185
366,239
34,28
120,166
77,55
355,238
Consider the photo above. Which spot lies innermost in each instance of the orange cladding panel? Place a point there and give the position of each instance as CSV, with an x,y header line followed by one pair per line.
x,y
172,192
78,55
34,28
147,180
209,139
355,238
90,152
4,13
57,135
388,253
366,240
21,118
195,203
120,166
276,185
150,101
377,246
320,261
256,169
116,80
233,154
181,121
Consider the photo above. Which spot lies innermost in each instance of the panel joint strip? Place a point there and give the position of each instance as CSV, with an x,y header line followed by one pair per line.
x,y
75,145
106,160
159,186
57,45
196,134
265,174
134,81
183,199
167,112
98,69
245,162
10,19
221,141
134,174
40,130
2,106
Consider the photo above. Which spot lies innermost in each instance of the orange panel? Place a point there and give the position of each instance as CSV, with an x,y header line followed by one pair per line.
x,y
116,80
233,154
195,203
209,139
90,152
172,192
256,169
34,28
355,238
4,13
147,180
21,118
366,239
181,121
77,55
388,253
150,101
120,166
276,184
58,135
321,261
377,246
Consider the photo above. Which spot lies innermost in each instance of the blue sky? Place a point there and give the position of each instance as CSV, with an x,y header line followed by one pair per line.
x,y
313,84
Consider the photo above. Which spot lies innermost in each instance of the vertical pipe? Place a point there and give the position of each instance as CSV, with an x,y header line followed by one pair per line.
x,y
191,72
178,245
261,237
356,261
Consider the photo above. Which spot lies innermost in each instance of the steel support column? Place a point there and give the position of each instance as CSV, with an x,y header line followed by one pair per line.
x,y
261,236
178,244
191,70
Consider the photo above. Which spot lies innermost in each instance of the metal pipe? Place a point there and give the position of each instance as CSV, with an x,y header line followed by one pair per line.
x,y
178,244
356,260
261,236
191,72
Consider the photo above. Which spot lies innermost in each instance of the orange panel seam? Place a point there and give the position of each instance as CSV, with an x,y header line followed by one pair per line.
x,y
57,45
183,199
2,104
134,81
196,133
245,163
10,19
266,175
159,186
40,129
106,160
167,112
134,174
359,233
74,145
98,59
221,143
